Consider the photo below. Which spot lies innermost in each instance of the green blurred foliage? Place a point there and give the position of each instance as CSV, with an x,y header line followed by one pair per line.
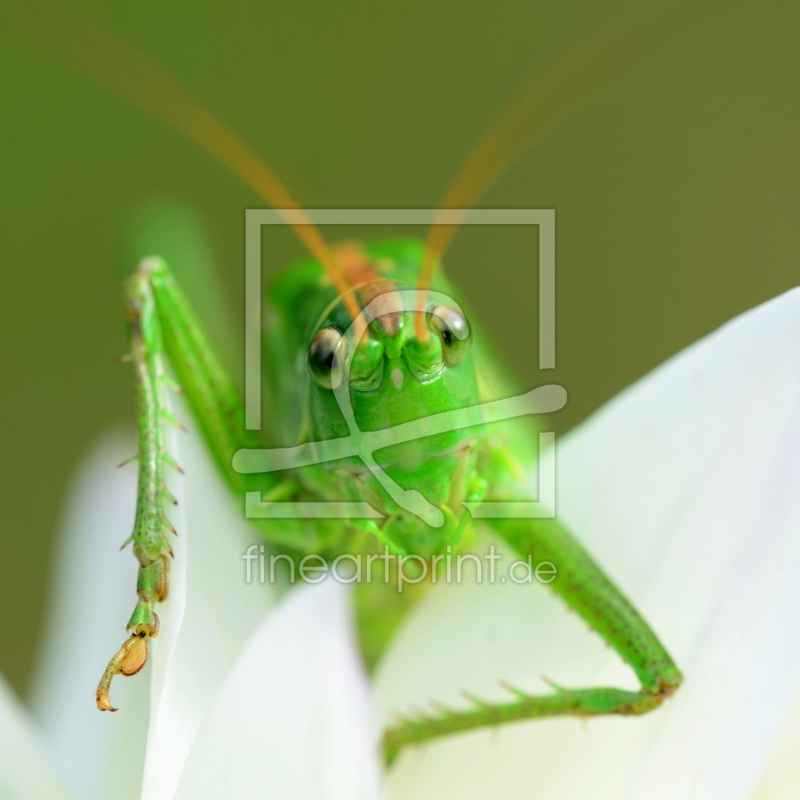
x,y
676,191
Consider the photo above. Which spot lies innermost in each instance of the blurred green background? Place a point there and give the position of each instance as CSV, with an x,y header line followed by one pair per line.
x,y
676,191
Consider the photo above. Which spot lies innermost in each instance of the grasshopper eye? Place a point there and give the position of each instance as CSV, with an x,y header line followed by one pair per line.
x,y
326,356
453,329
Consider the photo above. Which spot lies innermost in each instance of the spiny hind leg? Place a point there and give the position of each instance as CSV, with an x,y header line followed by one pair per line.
x,y
162,327
590,593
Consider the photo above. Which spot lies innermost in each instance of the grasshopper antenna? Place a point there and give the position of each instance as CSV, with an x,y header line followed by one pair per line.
x,y
559,88
106,58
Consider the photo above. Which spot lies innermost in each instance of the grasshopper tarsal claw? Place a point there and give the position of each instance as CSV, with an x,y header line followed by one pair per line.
x,y
129,660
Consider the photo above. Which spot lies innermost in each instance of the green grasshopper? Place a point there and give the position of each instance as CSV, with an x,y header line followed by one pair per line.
x,y
439,372
401,363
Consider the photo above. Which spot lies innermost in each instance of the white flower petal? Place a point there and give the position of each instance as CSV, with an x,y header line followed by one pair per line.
x,y
686,489
99,756
293,720
209,614
781,779
26,770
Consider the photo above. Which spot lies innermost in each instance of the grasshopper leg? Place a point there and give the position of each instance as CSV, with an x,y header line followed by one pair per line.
x,y
592,595
162,327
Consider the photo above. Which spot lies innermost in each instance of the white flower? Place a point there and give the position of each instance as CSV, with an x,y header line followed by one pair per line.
x,y
687,490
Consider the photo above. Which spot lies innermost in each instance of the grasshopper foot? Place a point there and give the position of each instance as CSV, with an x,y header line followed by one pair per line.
x,y
129,660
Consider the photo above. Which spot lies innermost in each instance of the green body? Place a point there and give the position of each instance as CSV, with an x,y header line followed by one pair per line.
x,y
394,379
447,468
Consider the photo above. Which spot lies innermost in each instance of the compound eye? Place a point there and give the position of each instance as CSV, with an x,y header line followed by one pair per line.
x,y
453,329
326,356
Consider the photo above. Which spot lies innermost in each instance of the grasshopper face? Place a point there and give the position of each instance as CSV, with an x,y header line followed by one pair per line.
x,y
391,377
395,378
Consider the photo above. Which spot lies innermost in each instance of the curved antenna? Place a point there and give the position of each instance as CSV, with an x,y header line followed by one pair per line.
x,y
106,58
555,91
